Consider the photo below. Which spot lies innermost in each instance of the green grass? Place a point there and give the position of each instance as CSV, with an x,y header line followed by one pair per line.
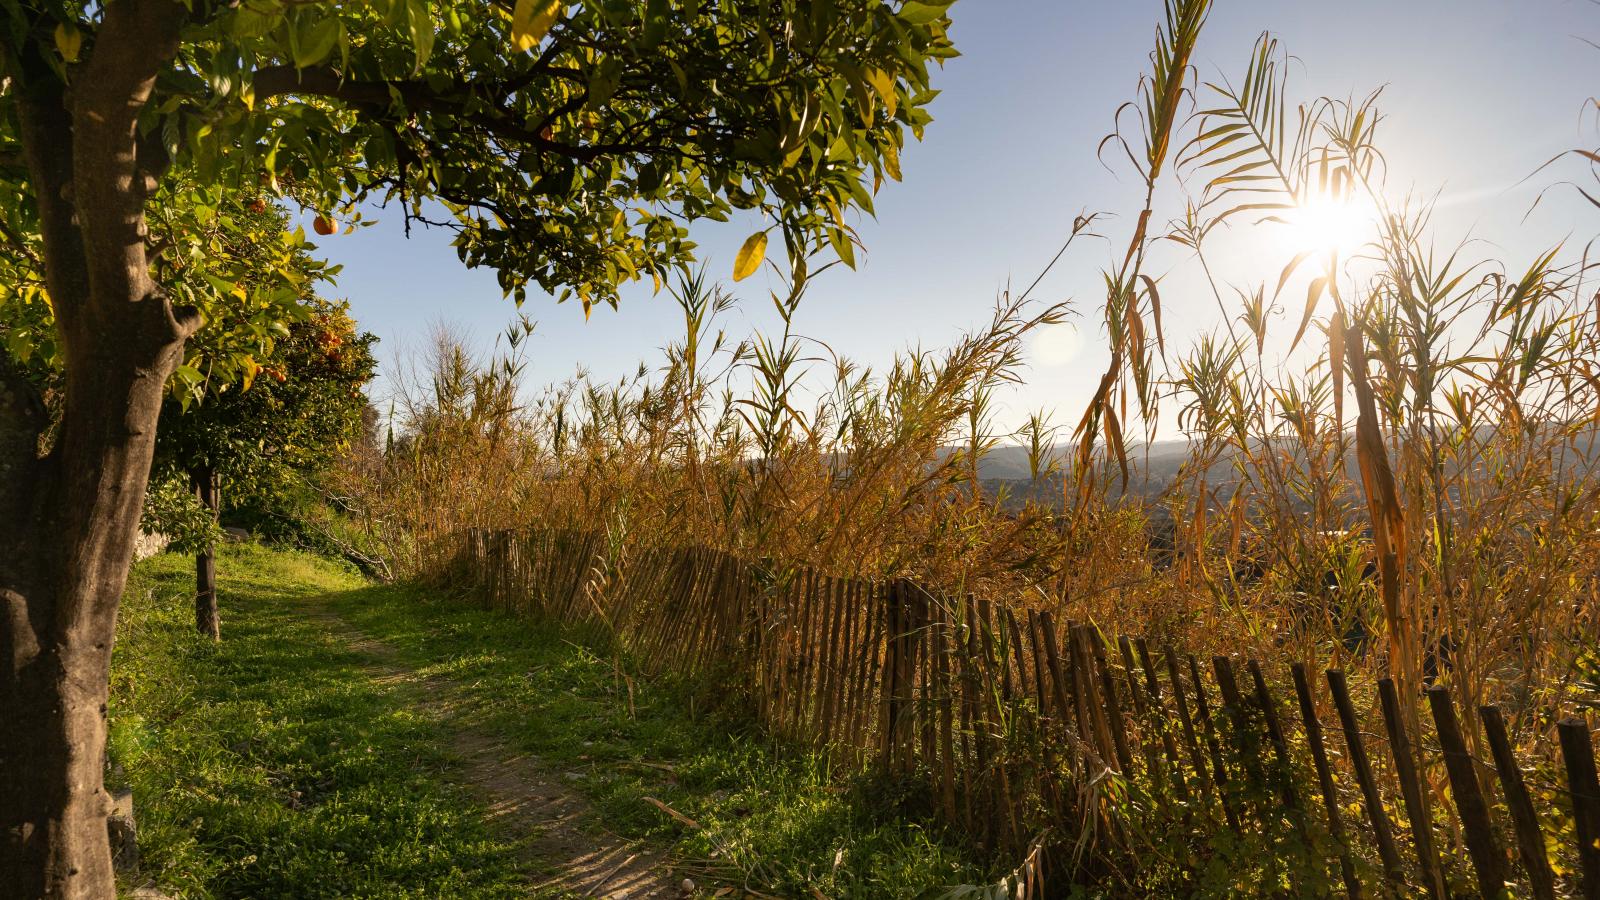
x,y
774,816
272,765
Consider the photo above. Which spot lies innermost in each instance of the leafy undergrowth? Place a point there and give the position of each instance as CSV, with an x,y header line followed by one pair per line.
x,y
274,765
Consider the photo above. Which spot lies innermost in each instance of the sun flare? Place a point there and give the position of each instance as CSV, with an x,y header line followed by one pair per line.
x,y
1323,222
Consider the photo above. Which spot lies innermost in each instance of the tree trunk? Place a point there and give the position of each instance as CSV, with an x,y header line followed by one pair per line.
x,y
206,620
69,517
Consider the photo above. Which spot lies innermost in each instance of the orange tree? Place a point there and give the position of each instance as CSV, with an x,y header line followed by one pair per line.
x,y
236,261
567,144
303,403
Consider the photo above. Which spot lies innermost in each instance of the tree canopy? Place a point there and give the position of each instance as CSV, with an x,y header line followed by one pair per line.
x,y
568,145
305,404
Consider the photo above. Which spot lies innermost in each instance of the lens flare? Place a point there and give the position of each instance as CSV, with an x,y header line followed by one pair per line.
x,y
1324,223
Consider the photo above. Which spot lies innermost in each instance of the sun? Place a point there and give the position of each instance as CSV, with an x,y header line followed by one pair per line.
x,y
1323,222
1056,345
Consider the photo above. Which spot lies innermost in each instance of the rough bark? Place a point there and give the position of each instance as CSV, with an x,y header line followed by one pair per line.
x,y
206,620
68,519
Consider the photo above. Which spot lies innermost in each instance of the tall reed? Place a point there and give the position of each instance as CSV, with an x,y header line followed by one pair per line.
x,y
1397,477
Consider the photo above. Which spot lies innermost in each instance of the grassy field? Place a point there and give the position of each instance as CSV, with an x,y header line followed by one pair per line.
x,y
276,764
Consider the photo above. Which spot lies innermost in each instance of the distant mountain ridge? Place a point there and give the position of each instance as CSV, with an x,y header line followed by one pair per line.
x,y
1154,467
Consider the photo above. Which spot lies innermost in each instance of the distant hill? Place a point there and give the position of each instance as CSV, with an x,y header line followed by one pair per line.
x,y
1010,463
1154,467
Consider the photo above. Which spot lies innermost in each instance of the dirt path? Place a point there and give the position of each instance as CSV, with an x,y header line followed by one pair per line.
x,y
557,835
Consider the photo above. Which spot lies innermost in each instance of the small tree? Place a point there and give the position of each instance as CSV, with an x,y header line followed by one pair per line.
x,y
303,403
566,144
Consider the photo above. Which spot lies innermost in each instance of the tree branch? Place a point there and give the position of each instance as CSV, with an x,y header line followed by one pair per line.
x,y
45,130
419,96
138,40
15,242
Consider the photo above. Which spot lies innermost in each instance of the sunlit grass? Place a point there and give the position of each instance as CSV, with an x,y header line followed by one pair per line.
x,y
272,765
276,764
778,818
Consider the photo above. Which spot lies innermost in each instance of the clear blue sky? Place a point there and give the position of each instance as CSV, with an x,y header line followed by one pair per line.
x,y
1479,93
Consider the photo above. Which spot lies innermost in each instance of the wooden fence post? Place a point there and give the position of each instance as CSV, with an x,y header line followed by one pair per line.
x,y
1486,858
1245,746
1159,720
872,653
943,637
1530,840
1011,649
866,641
1319,760
833,610
1088,689
891,673
1382,832
1131,672
1219,768
1052,656
1114,718
1405,769
974,737
1196,758
1140,714
1036,649
1280,744
1578,753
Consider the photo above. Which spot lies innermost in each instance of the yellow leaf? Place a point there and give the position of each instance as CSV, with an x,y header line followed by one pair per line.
x,y
69,41
891,160
532,20
883,83
750,256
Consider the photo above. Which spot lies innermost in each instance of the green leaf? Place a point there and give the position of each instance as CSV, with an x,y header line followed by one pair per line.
x,y
1313,293
251,22
603,83
750,256
921,12
656,17
221,285
317,43
532,20
69,41
419,19
842,245
891,160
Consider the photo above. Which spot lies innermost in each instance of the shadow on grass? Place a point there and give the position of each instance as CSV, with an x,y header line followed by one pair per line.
x,y
272,764
778,817
275,764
